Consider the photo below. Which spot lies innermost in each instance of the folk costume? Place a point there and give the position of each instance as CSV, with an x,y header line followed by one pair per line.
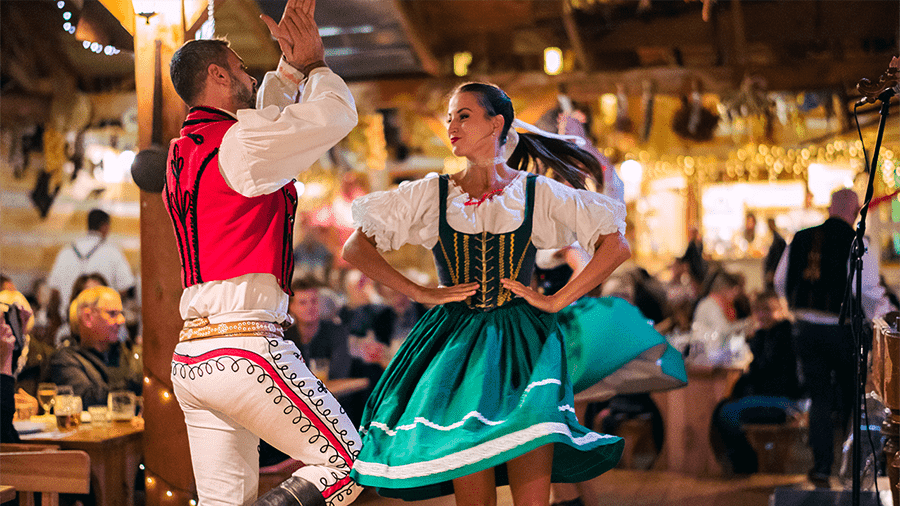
x,y
480,382
230,195
812,276
611,347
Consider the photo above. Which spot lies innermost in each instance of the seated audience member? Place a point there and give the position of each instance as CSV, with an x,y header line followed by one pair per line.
x,y
64,336
370,322
405,313
313,255
9,366
768,392
95,366
717,311
315,337
47,316
33,365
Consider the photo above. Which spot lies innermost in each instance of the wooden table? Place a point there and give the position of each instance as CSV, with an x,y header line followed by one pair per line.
x,y
345,386
687,414
115,451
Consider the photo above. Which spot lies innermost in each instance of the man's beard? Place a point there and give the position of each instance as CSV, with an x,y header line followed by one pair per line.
x,y
244,97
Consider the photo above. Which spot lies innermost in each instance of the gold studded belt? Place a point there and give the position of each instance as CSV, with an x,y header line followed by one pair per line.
x,y
200,328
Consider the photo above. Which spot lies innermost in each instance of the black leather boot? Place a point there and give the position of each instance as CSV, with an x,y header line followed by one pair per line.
x,y
293,491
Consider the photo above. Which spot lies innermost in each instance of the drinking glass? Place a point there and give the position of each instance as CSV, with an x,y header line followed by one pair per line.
x,y
46,394
319,367
120,405
98,414
25,408
68,412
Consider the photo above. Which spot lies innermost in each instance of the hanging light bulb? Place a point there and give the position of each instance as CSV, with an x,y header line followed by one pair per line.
x,y
553,61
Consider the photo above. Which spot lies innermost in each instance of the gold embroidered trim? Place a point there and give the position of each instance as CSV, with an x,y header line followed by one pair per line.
x,y
502,296
515,273
453,275
465,257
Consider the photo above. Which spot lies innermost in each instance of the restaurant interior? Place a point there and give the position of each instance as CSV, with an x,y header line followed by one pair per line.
x,y
729,122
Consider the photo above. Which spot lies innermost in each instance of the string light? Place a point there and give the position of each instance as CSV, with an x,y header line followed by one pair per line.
x,y
95,47
762,162
158,485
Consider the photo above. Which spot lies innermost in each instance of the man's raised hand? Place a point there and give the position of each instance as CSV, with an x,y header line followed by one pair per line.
x,y
297,34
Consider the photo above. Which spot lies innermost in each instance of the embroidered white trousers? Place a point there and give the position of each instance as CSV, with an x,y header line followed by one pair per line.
x,y
235,390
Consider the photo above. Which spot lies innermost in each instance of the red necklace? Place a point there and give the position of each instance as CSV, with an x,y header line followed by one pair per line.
x,y
487,196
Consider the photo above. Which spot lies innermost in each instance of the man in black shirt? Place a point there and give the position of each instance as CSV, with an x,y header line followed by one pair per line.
x,y
812,276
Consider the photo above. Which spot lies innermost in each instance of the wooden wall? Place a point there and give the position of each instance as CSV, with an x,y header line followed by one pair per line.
x,y
28,242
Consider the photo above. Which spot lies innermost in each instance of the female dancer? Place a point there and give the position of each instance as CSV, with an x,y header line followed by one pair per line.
x,y
479,395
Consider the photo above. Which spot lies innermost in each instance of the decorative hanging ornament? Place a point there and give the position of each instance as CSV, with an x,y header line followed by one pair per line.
x,y
693,121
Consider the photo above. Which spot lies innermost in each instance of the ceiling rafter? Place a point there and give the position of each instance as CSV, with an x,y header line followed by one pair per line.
x,y
427,60
585,60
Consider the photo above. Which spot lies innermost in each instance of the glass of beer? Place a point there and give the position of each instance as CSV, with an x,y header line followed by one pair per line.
x,y
68,412
46,393
319,367
120,404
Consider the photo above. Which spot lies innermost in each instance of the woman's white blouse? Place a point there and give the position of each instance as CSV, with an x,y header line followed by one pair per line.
x,y
410,213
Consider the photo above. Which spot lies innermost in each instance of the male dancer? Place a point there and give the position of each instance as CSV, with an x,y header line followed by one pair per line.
x,y
230,195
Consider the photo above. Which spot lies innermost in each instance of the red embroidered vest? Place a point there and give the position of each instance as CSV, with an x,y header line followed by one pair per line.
x,y
220,233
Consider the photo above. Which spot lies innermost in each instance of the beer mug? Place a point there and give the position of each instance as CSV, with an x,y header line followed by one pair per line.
x,y
68,412
120,405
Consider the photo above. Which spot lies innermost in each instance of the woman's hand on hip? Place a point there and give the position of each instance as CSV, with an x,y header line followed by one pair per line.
x,y
549,304
445,294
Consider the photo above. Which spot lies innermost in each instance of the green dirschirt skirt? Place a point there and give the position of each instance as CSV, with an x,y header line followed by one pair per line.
x,y
612,348
469,391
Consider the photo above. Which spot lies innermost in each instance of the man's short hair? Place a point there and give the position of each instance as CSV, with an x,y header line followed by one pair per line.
x,y
89,298
96,219
189,64
306,283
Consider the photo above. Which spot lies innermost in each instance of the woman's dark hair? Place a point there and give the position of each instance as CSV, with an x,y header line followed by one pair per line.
x,y
81,280
564,158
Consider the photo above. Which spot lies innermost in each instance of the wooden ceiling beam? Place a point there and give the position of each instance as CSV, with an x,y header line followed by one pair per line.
x,y
427,60
245,14
814,75
123,10
585,61
194,20
35,60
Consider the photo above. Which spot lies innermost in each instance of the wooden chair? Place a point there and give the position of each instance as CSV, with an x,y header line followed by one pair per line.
x,y
774,443
44,469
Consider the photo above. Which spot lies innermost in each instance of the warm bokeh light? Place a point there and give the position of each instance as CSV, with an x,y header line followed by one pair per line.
x,y
553,61
461,62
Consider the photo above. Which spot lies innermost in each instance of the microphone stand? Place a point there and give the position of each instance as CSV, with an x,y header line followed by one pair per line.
x,y
862,343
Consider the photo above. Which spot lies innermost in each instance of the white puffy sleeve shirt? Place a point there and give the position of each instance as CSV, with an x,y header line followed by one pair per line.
x,y
410,214
266,149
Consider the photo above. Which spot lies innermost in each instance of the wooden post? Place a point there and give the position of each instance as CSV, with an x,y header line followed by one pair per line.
x,y
169,477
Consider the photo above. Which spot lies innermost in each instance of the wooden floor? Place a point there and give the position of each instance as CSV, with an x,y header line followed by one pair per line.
x,y
620,487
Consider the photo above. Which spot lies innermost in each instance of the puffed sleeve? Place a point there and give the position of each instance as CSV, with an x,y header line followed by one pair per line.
x,y
268,147
563,215
406,215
